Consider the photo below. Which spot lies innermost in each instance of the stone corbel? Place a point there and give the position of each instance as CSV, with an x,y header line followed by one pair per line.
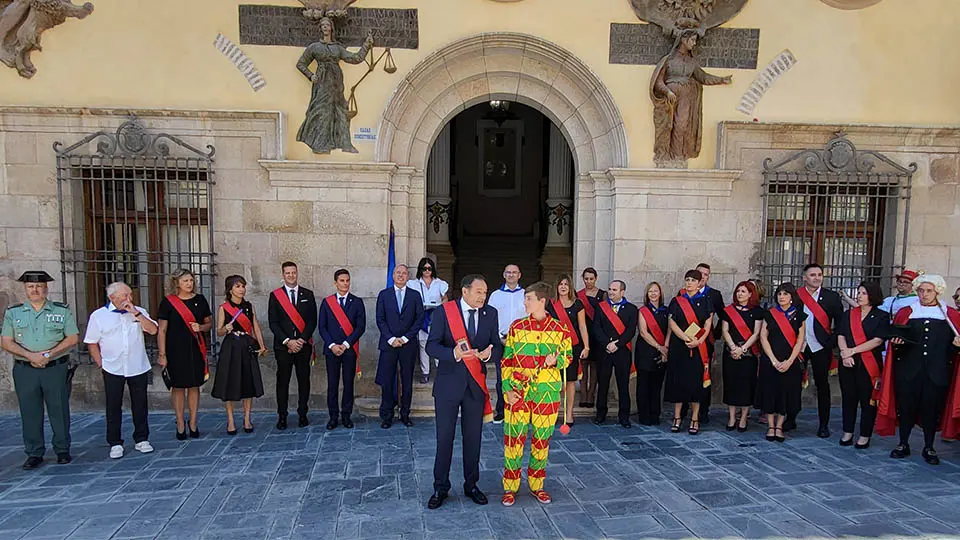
x,y
22,22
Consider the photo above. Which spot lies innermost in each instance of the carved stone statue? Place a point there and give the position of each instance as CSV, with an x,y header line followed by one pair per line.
x,y
23,21
676,89
327,125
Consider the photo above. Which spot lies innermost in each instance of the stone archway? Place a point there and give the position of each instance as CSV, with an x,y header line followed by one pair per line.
x,y
514,67
510,66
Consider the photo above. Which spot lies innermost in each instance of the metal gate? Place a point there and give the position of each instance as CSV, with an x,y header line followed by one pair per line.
x,y
134,207
837,206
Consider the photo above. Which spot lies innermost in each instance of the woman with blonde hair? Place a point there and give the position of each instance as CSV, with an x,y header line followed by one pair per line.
x,y
568,309
184,317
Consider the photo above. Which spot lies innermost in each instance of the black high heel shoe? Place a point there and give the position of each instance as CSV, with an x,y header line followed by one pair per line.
x,y
779,438
194,433
231,433
731,427
846,442
772,437
181,435
675,428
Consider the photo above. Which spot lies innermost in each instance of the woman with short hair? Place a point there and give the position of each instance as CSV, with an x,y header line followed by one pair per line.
x,y
184,317
861,333
782,338
688,367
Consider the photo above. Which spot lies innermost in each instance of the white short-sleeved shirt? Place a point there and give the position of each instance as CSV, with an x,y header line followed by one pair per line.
x,y
120,338
509,304
893,304
431,294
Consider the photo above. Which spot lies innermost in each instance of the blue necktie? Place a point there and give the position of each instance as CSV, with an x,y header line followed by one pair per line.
x,y
343,302
472,324
120,311
399,299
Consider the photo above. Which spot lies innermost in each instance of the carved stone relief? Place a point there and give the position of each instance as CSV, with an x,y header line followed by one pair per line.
x,y
22,22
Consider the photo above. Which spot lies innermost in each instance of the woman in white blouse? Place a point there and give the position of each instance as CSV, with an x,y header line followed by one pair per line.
x,y
433,290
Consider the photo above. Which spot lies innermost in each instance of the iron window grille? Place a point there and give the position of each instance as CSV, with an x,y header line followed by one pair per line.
x,y
840,207
134,207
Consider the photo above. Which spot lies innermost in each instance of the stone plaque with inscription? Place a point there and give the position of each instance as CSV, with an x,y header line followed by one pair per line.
x,y
645,44
280,25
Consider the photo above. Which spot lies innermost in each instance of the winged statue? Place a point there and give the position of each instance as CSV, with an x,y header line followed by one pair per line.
x,y
318,9
675,15
23,21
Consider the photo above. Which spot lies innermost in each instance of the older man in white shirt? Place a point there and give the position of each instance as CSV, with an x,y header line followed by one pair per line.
x,y
115,339
508,300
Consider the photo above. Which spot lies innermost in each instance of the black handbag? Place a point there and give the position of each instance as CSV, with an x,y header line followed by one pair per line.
x,y
167,381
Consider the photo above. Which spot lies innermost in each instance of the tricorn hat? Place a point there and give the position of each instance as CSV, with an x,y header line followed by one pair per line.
x,y
908,274
34,276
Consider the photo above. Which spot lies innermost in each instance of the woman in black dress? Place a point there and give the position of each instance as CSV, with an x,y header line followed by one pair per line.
x,y
184,319
782,337
686,376
740,325
650,356
860,335
238,370
576,325
590,296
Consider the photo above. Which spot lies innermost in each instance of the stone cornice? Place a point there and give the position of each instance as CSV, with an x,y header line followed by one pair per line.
x,y
326,174
688,182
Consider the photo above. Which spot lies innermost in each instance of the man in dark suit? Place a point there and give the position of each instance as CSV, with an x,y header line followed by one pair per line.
x,y
615,326
292,311
822,307
457,391
399,318
341,351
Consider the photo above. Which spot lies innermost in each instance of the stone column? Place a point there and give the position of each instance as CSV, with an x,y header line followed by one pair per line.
x,y
439,204
557,257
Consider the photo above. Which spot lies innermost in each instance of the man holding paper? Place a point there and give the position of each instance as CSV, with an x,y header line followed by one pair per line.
x,y
463,337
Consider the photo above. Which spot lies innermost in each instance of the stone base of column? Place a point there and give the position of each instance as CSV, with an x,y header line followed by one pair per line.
x,y
445,261
554,261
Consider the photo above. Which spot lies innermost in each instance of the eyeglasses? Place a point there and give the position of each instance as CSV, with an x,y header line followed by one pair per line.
x,y
428,268
956,297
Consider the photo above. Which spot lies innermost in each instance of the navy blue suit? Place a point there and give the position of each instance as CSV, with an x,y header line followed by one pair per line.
x,y
455,391
345,364
396,322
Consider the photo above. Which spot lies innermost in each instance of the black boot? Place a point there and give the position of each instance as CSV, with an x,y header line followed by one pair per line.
x,y
901,451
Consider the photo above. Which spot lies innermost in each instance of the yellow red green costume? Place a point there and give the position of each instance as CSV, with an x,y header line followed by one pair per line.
x,y
524,369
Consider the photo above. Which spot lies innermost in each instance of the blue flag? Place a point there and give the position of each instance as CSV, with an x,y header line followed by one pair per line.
x,y
391,257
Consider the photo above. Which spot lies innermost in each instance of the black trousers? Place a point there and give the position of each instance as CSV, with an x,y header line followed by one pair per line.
x,y
401,360
470,408
649,395
617,364
344,366
113,388
856,389
820,361
921,400
286,364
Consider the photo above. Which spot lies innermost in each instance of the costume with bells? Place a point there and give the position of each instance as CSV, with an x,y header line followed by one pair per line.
x,y
525,372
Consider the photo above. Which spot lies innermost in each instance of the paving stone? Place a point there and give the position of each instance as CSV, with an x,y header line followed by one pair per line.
x,y
705,524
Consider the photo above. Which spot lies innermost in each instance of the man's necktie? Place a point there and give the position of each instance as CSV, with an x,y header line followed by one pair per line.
x,y
472,324
293,296
399,299
121,311
343,302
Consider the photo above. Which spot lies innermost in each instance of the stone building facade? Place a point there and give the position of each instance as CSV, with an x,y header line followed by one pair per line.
x,y
271,200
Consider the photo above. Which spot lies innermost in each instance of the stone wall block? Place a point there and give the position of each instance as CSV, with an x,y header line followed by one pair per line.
x,y
642,224
314,249
940,230
34,244
246,247
277,216
247,184
540,69
367,250
31,180
749,226
228,215
20,211
349,219
665,256
533,89
628,256
718,226
681,202
21,148
476,88
504,84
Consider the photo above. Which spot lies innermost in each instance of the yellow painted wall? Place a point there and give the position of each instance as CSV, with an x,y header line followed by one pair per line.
x,y
894,63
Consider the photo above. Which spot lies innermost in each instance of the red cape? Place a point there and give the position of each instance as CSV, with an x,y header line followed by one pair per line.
x,y
887,408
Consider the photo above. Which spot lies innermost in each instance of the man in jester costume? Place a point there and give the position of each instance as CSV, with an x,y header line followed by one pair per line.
x,y
535,357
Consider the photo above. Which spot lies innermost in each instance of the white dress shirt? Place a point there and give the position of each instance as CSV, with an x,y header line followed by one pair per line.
x,y
120,337
296,292
433,293
465,307
509,304
811,334
893,304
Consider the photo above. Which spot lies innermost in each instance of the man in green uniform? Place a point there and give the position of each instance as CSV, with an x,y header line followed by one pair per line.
x,y
40,335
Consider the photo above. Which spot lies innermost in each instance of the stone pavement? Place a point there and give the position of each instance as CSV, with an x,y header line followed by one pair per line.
x,y
606,482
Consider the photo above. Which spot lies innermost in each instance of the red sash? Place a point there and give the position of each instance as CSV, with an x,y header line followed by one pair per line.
x,y
241,319
791,336
281,296
565,320
821,316
459,333
188,318
691,317
736,318
587,306
870,360
653,326
615,321
345,325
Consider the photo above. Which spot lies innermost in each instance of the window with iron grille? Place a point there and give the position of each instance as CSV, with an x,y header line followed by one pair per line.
x,y
134,207
837,206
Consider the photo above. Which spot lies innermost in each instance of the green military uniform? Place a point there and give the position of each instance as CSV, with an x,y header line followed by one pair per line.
x,y
41,331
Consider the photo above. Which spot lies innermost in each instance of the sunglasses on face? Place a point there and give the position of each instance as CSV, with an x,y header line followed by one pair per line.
x,y
956,297
428,268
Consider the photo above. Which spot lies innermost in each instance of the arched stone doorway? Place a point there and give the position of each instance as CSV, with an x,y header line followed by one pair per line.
x,y
518,68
